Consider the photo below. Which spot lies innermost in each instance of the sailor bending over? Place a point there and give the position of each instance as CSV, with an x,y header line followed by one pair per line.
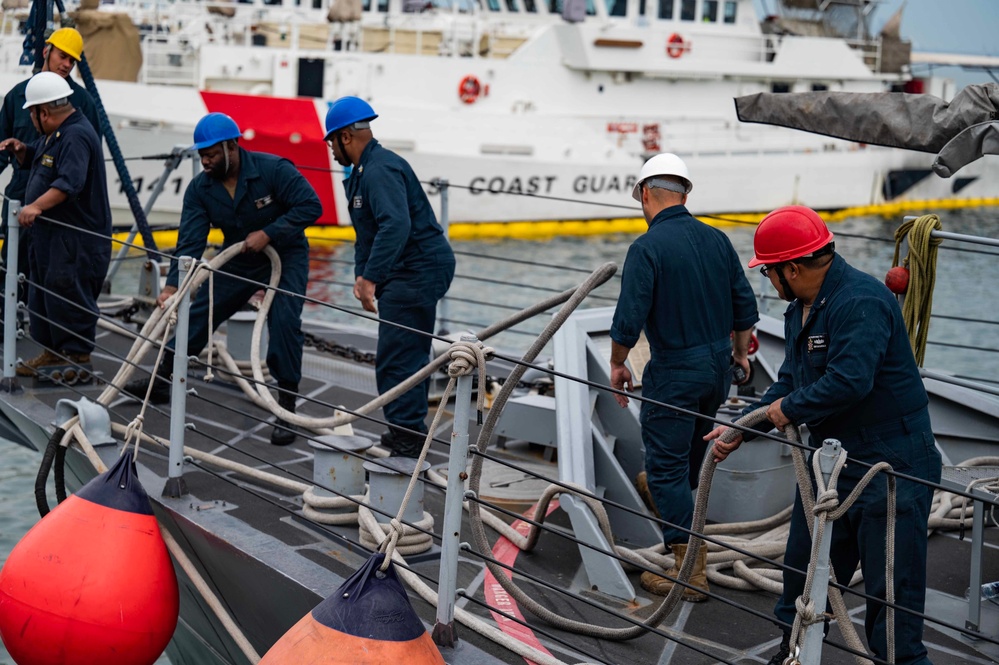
x,y
263,200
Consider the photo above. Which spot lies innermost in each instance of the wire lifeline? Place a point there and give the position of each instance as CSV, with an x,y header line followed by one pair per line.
x,y
759,580
371,526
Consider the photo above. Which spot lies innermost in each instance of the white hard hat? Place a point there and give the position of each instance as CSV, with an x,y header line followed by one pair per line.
x,y
665,163
45,87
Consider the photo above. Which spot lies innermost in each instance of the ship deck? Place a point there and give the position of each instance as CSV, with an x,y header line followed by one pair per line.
x,y
270,565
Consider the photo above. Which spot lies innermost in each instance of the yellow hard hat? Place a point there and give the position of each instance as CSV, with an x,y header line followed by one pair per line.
x,y
68,40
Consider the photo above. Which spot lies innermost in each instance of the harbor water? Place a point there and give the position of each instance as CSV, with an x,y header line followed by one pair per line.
x,y
495,278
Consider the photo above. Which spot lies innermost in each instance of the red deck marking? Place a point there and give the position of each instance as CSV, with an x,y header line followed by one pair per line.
x,y
506,553
286,127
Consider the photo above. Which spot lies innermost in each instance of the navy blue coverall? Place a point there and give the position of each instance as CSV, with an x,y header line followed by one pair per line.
x,y
402,249
684,285
67,262
15,122
849,374
273,197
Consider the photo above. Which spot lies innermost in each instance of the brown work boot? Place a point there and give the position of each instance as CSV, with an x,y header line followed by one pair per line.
x,y
642,485
661,586
77,358
44,359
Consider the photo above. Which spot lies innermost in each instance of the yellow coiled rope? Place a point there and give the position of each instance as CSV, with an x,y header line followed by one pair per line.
x,y
922,264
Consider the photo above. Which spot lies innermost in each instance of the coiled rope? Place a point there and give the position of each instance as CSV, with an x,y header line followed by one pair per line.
x,y
922,264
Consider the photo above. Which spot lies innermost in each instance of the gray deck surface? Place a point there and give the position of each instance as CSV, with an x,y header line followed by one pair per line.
x,y
228,424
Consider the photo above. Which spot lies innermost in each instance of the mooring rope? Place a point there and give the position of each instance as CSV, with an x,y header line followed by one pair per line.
x,y
922,264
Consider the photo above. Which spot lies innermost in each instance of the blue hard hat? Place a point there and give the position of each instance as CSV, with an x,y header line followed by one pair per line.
x,y
214,128
345,112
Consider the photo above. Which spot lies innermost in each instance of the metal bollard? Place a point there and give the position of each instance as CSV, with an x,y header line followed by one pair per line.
x,y
811,652
12,240
388,480
239,336
445,633
175,486
335,471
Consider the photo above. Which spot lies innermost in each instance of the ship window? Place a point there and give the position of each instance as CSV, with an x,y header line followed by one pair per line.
x,y
730,6
555,7
511,6
641,7
383,5
366,5
666,9
780,87
687,10
709,11
617,7
819,87
494,5
530,6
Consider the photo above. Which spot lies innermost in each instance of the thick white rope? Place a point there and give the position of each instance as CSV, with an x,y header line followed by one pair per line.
x,y
209,371
206,592
465,358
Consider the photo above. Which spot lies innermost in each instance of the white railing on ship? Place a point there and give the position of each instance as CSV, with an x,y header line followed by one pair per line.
x,y
974,240
167,63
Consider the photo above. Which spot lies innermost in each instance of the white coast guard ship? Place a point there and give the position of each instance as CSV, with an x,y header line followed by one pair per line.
x,y
530,109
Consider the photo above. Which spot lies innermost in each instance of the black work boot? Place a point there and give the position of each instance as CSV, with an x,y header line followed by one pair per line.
x,y
782,653
160,393
406,443
284,433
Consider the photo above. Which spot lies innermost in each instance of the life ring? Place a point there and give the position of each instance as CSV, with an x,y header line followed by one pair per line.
x,y
675,46
469,89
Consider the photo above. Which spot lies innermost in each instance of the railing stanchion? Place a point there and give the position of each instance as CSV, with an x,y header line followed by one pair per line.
x,y
175,486
9,383
811,651
445,633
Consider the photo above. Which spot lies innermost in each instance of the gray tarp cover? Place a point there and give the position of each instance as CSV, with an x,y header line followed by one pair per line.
x,y
959,131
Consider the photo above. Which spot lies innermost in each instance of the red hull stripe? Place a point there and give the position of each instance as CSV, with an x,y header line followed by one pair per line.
x,y
286,127
506,552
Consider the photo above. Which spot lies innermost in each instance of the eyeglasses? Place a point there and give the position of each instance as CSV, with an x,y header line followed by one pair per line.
x,y
765,270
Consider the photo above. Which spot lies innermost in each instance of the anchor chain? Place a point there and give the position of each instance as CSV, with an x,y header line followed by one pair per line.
x,y
339,350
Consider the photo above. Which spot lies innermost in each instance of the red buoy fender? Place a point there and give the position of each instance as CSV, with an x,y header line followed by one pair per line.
x,y
897,280
91,583
675,46
367,621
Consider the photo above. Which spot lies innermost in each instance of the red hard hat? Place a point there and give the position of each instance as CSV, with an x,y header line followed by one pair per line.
x,y
789,233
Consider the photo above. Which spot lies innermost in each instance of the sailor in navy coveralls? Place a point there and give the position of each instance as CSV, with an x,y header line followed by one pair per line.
x,y
683,284
66,183
849,374
401,259
63,49
261,199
